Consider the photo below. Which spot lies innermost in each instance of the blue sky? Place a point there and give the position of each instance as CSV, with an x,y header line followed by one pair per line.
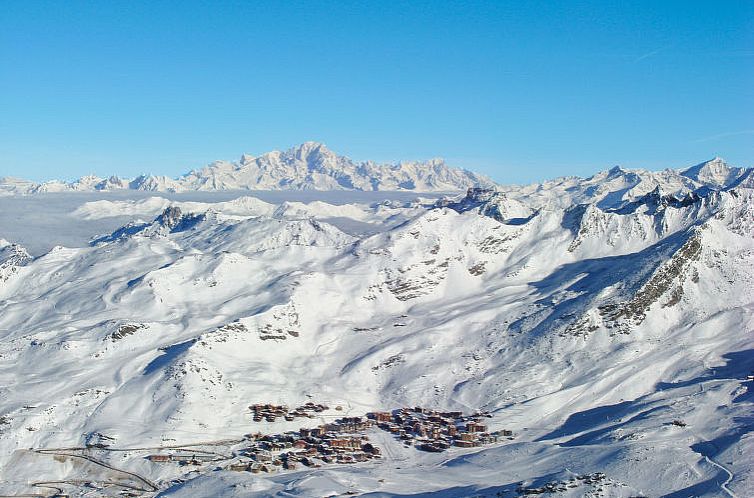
x,y
521,91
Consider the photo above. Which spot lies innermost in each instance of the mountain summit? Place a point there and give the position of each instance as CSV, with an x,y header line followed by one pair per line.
x,y
713,172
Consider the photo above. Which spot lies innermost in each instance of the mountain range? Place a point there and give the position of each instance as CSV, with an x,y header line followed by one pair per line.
x,y
607,323
312,166
309,166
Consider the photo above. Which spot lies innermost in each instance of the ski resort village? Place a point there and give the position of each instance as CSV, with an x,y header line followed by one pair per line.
x,y
347,440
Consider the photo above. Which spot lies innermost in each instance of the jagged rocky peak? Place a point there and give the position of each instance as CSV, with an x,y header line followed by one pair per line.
x,y
654,199
655,195
170,217
493,203
474,197
616,171
481,194
310,153
657,200
13,253
12,257
687,200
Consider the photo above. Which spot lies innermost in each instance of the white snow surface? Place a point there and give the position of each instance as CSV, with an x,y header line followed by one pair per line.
x,y
606,321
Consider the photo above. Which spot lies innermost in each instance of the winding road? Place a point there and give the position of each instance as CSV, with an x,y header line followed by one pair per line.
x,y
724,485
150,486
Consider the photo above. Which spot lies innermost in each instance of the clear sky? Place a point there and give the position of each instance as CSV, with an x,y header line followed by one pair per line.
x,y
521,91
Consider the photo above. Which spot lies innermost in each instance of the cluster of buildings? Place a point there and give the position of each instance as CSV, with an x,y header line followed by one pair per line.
x,y
341,426
270,413
344,441
432,430
339,442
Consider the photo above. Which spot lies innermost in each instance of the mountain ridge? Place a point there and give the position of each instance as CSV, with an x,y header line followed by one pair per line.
x,y
309,166
313,166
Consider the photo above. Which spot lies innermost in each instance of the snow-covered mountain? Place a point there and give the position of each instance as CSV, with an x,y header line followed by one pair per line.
x,y
613,187
607,322
310,166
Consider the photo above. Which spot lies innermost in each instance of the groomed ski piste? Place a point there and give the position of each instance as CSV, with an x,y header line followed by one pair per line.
x,y
599,328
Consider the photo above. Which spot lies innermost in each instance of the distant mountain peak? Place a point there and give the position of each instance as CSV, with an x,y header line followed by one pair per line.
x,y
312,152
310,147
716,163
714,171
616,170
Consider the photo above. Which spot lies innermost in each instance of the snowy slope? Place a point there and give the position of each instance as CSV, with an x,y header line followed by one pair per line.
x,y
607,322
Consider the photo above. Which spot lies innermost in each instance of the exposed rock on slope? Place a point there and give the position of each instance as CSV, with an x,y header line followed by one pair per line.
x,y
12,257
